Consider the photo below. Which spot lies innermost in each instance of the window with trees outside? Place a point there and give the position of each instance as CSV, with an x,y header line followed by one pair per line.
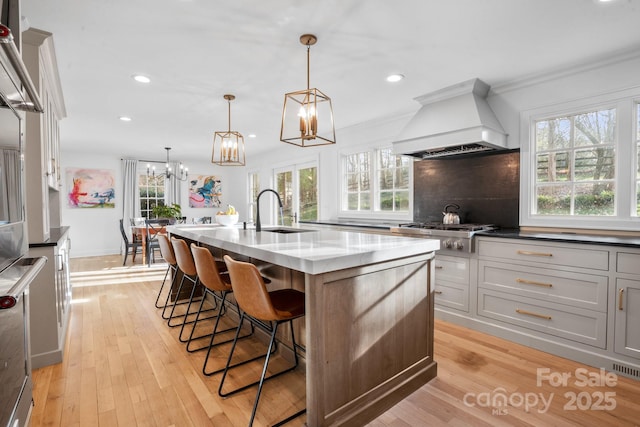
x,y
151,190
377,181
297,186
580,163
575,160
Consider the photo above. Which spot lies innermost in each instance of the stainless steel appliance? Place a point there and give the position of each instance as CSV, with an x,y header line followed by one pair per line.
x,y
15,361
455,239
16,271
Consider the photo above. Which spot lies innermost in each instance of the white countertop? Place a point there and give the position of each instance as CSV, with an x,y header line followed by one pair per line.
x,y
313,252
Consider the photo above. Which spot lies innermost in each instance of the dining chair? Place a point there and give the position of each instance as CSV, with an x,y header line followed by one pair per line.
x,y
268,309
201,220
154,227
134,246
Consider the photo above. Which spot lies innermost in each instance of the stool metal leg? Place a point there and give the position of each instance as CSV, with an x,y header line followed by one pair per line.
x,y
222,309
263,377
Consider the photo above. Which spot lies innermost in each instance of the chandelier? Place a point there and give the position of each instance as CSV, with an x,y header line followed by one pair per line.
x,y
228,146
182,174
307,116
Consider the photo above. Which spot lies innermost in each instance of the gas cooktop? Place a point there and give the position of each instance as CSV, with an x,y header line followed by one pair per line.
x,y
452,227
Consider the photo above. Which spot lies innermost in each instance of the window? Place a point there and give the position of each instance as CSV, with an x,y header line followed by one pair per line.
x,y
254,190
298,188
393,180
376,181
580,163
151,193
575,164
358,185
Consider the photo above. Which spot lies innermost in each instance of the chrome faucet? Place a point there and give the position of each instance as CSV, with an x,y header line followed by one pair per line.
x,y
258,225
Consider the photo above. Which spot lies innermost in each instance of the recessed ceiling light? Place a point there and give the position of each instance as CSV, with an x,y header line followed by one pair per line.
x,y
394,78
125,118
252,135
141,79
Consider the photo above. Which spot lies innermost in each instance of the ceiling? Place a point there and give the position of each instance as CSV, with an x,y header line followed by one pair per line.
x,y
195,51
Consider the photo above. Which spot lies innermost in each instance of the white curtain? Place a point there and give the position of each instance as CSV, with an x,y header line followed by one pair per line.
x,y
130,193
11,191
173,187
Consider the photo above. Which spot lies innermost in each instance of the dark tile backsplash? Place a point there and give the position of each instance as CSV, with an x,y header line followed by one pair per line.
x,y
486,187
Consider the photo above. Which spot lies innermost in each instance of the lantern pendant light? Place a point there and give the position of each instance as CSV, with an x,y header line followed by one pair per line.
x,y
228,146
307,116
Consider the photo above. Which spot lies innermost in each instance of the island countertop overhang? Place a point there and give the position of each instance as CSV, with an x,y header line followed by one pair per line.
x,y
314,251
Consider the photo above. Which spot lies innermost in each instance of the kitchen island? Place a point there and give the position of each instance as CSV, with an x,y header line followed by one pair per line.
x,y
368,328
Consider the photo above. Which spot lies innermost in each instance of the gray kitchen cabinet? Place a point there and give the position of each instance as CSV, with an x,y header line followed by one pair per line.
x,y
451,287
575,299
553,289
50,299
627,317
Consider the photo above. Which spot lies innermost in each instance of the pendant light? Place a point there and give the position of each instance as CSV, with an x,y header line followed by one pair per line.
x,y
228,146
307,116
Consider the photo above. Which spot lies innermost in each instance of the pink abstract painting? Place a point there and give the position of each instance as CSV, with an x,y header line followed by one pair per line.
x,y
90,188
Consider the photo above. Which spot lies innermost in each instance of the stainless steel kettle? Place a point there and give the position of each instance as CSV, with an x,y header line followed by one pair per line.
x,y
451,217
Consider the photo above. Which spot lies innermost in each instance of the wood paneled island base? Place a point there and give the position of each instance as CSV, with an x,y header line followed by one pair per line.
x,y
368,328
370,339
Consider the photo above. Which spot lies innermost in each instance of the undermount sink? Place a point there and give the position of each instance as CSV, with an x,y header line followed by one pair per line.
x,y
283,230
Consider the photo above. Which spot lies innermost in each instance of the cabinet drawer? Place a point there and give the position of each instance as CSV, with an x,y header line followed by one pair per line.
x,y
452,295
576,324
569,256
452,269
564,287
628,263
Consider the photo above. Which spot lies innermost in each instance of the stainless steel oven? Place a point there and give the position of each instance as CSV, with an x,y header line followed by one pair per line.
x,y
15,361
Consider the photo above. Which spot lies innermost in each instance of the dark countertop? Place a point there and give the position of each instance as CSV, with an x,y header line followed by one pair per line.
x,y
353,223
55,234
592,239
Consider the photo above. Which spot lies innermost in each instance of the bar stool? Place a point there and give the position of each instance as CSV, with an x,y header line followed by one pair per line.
x,y
185,263
166,250
219,286
268,310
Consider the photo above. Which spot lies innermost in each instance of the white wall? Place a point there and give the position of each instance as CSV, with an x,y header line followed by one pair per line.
x,y
93,231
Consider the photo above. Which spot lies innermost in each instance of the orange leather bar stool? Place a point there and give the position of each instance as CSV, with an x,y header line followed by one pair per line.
x,y
219,286
188,268
166,250
269,310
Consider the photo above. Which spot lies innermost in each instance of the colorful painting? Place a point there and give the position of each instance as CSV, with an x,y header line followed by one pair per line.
x,y
205,192
90,188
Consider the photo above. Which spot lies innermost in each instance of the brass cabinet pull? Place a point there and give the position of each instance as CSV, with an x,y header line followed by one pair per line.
x,y
535,253
437,292
531,282
530,313
620,293
439,267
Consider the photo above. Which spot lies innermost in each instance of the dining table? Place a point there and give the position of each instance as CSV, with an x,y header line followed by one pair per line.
x,y
139,232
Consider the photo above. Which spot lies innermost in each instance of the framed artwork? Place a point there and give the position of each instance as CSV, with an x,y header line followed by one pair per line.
x,y
205,192
90,188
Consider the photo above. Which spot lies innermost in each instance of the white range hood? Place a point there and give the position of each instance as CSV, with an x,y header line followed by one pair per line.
x,y
452,121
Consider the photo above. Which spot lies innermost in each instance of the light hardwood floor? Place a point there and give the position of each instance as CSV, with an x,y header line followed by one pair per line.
x,y
124,367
